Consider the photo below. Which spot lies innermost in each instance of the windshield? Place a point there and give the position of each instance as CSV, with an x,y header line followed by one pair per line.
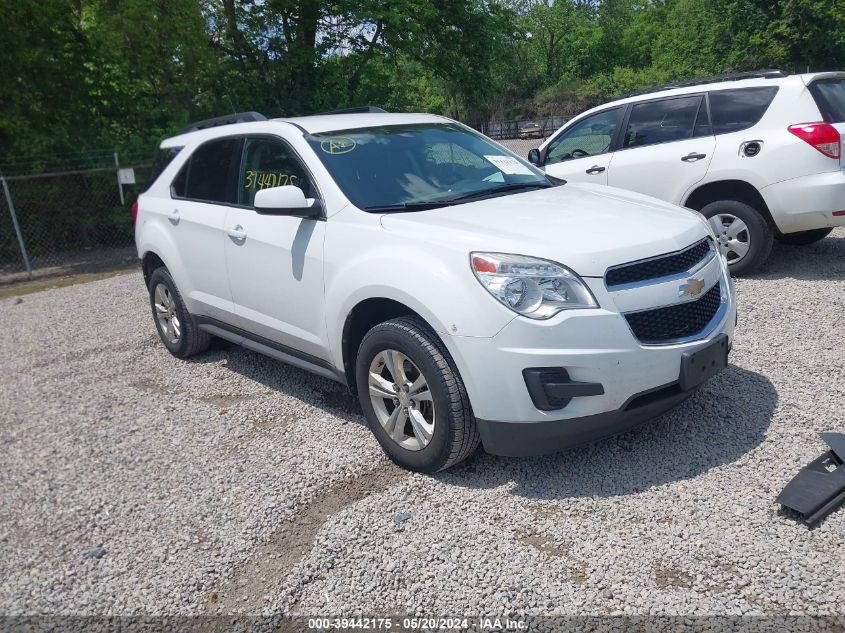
x,y
410,166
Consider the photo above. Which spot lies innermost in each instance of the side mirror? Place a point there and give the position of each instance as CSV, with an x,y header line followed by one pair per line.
x,y
534,156
286,200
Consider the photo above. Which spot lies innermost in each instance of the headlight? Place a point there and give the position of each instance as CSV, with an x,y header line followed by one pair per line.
x,y
536,288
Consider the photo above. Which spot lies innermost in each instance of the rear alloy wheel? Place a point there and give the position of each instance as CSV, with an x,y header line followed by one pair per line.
x,y
742,234
804,238
413,397
165,311
176,327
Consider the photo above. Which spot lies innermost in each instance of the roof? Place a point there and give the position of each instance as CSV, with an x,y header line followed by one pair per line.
x,y
315,124
712,79
710,84
319,123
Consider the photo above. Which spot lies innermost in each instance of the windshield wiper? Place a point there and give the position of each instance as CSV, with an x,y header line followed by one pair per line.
x,y
500,189
407,206
445,202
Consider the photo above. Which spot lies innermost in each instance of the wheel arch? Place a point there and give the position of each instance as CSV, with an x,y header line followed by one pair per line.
x,y
149,262
739,190
363,316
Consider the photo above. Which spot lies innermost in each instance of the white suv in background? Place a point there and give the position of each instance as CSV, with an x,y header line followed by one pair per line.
x,y
458,291
759,154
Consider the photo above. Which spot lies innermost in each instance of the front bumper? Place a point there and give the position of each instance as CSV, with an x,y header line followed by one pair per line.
x,y
512,439
593,347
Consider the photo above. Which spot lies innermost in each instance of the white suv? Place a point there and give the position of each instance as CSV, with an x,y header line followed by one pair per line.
x,y
458,291
759,154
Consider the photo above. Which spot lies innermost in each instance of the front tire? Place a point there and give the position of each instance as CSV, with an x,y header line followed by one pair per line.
x,y
413,397
743,235
176,327
804,238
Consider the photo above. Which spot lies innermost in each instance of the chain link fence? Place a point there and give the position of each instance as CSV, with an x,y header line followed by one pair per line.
x,y
520,136
73,219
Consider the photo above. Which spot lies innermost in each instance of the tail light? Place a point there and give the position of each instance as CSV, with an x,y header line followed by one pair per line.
x,y
134,212
823,136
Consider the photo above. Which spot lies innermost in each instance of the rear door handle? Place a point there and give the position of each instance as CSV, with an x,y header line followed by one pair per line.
x,y
595,169
237,233
174,217
692,157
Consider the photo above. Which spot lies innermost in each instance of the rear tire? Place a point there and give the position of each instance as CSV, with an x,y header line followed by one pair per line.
x,y
424,429
176,327
803,238
742,234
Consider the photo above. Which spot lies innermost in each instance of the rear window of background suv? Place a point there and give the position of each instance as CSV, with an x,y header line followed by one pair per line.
x,y
738,109
829,95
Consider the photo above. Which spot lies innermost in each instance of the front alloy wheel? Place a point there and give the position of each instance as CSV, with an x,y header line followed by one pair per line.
x,y
401,400
413,397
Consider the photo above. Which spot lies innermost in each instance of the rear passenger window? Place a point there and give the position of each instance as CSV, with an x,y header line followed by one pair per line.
x,y
732,110
830,97
210,175
661,121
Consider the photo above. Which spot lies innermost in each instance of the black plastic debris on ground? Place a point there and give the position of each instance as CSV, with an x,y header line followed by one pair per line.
x,y
818,488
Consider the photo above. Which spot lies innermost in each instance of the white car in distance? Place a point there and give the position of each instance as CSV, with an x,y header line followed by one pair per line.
x,y
464,296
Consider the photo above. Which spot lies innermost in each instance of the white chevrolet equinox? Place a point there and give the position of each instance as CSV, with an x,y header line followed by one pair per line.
x,y
461,293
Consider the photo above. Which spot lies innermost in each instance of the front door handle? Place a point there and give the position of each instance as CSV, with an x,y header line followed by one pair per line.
x,y
595,169
237,233
174,217
692,157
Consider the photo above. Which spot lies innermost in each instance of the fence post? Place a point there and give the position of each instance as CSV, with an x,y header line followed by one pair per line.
x,y
17,227
119,184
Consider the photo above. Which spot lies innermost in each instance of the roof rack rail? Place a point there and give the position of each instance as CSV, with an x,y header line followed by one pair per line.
x,y
751,74
357,110
228,119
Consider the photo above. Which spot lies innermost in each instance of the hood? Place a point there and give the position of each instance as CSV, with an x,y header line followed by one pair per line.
x,y
587,228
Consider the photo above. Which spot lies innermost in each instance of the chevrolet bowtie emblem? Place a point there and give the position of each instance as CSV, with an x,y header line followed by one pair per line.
x,y
691,287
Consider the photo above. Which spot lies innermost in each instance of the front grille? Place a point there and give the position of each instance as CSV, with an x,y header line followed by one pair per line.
x,y
663,266
678,321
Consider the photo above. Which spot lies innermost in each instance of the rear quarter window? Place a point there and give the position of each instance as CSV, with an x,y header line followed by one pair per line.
x,y
830,97
164,156
733,110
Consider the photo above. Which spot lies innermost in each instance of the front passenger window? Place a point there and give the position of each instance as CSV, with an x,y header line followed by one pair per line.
x,y
588,137
270,163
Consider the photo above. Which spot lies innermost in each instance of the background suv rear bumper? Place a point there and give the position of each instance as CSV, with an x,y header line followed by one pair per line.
x,y
808,202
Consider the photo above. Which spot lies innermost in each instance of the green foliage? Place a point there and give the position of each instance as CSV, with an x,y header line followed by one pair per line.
x,y
82,74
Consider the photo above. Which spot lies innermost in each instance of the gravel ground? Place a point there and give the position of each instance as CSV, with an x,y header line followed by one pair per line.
x,y
135,483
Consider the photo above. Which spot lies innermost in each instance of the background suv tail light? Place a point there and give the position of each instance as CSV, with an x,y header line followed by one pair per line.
x,y
823,136
134,212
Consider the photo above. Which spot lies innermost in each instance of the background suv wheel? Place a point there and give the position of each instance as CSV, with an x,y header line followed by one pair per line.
x,y
743,235
413,397
176,327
